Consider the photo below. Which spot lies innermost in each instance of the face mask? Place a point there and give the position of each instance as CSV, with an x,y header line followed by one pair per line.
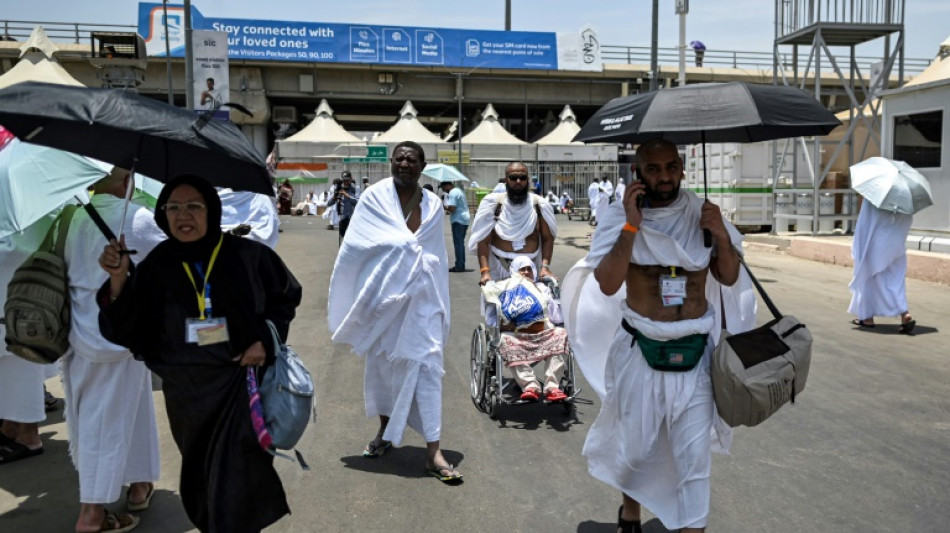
x,y
517,196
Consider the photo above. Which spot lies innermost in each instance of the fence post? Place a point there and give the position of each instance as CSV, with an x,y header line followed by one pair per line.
x,y
76,30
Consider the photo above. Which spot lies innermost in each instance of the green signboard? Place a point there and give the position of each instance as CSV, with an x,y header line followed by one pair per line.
x,y
374,154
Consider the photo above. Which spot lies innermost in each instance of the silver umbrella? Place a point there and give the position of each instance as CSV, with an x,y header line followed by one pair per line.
x,y
891,185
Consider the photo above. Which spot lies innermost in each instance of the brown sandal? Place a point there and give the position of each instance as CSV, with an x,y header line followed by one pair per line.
x,y
114,523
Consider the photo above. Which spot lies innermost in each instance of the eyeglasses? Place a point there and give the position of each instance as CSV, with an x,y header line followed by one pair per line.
x,y
189,207
518,177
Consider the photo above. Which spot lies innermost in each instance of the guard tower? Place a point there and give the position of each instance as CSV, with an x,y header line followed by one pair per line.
x,y
829,31
119,57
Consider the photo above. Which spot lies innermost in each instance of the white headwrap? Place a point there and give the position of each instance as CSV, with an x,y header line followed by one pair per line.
x,y
520,262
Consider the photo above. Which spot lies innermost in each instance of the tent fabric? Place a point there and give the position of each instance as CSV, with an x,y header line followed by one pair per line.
x,y
324,128
37,63
938,70
408,128
490,131
564,132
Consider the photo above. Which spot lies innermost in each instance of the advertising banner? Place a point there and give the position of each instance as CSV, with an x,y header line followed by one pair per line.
x,y
212,85
353,43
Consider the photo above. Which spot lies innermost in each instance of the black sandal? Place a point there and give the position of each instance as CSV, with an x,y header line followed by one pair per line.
x,y
627,526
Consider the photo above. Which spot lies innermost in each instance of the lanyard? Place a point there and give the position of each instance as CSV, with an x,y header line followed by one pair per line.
x,y
204,287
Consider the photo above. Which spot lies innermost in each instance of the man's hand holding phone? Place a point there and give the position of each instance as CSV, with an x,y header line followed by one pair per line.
x,y
632,202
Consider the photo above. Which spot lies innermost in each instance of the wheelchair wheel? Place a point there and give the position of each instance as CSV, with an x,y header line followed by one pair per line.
x,y
567,382
494,402
478,369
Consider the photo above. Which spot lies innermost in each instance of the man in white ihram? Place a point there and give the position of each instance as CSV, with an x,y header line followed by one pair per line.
x,y
110,416
389,300
657,425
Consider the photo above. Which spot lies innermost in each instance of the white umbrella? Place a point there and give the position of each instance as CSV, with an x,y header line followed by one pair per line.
x,y
441,172
891,185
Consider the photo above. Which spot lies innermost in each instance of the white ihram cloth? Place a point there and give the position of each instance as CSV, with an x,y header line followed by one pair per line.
x,y
21,381
515,223
880,263
255,210
655,430
110,416
618,192
593,194
389,300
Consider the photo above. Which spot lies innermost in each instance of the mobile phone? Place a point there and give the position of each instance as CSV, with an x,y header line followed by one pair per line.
x,y
640,197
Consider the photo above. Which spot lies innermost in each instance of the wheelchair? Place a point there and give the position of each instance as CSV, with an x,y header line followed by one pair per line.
x,y
491,386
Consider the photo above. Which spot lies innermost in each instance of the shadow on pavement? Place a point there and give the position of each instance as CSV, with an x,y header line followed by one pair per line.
x,y
530,416
891,329
651,526
405,461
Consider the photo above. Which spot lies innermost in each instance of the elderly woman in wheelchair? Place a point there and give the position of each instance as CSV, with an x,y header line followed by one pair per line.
x,y
526,312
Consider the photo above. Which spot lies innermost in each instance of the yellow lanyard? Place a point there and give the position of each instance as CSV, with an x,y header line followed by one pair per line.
x,y
204,287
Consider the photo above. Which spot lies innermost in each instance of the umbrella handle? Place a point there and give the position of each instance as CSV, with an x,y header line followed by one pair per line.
x,y
707,238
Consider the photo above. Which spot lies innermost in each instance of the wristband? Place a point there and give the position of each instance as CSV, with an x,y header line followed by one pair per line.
x,y
485,269
630,227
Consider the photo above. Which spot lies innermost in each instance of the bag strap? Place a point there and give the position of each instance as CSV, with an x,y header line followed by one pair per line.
x,y
414,202
765,297
65,218
278,344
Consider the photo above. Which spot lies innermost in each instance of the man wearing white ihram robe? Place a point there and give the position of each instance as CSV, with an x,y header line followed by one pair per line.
x,y
389,300
255,210
878,287
110,415
653,436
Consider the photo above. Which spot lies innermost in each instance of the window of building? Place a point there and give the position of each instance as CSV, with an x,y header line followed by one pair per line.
x,y
917,139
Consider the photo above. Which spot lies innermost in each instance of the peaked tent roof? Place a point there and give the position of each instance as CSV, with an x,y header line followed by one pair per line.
x,y
938,70
490,131
324,129
566,129
37,63
408,128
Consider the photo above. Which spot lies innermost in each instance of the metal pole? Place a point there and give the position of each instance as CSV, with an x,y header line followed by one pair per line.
x,y
682,76
189,65
507,15
654,68
458,96
168,54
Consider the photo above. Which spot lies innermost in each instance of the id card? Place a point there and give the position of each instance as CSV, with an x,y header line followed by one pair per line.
x,y
672,290
205,332
517,245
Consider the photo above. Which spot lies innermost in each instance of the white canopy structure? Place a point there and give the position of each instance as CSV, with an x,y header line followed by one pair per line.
x,y
37,63
490,131
408,128
565,131
324,129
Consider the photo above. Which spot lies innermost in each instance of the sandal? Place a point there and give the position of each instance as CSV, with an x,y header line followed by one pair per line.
x,y
10,453
114,523
142,505
627,526
862,323
445,474
377,450
907,327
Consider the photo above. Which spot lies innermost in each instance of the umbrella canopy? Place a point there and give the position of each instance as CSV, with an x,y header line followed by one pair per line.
x,y
440,173
710,112
891,185
135,132
35,180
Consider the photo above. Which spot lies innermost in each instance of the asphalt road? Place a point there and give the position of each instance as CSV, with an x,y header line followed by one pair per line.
x,y
865,448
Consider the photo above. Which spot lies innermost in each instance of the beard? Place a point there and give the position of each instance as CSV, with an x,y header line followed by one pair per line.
x,y
517,196
404,181
662,196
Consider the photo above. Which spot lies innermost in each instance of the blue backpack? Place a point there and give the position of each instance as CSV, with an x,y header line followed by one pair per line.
x,y
287,398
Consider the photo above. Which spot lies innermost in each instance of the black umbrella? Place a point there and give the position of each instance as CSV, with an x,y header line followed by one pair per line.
x,y
710,112
134,132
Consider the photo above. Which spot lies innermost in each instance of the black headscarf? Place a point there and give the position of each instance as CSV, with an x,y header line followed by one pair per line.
x,y
201,249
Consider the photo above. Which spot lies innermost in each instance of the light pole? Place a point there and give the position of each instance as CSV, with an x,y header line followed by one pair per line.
x,y
168,54
458,131
189,66
654,74
507,15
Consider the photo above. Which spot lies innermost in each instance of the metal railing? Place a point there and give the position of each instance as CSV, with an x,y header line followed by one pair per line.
x,y
640,55
76,33
793,15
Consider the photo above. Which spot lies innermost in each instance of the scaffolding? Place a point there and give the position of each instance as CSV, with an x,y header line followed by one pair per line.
x,y
826,27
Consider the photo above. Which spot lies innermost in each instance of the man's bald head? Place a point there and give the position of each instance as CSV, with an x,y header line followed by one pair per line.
x,y
113,182
654,145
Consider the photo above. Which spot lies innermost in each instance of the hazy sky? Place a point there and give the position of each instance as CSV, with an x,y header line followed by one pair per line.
x,y
745,25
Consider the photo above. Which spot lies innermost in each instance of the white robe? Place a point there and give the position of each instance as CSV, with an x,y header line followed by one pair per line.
x,y
389,300
110,416
593,194
655,429
618,192
880,263
255,210
21,381
515,224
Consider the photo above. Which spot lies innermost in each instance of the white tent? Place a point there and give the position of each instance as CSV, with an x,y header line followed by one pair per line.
x,y
565,131
324,129
37,63
408,128
490,131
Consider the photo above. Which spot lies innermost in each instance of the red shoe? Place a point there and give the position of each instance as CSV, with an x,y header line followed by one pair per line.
x,y
529,395
556,395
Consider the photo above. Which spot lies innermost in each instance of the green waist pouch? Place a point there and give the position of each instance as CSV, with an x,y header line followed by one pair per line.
x,y
675,355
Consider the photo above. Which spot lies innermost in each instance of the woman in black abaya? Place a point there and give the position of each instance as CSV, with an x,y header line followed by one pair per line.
x,y
228,482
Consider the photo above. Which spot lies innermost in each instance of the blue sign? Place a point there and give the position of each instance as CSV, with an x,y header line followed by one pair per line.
x,y
351,43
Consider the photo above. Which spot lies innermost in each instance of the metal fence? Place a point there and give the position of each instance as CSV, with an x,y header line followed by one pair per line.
x,y
794,15
76,33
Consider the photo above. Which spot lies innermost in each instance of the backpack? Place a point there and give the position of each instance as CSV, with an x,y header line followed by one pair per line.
x,y
287,397
36,312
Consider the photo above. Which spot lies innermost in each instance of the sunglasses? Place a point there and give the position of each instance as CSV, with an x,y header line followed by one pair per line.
x,y
518,177
189,207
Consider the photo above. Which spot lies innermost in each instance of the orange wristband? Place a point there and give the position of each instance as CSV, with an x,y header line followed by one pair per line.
x,y
485,269
630,227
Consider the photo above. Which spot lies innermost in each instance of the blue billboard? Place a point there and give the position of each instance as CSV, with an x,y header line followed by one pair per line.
x,y
353,43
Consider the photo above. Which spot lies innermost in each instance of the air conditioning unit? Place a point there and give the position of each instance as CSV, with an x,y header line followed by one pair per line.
x,y
284,114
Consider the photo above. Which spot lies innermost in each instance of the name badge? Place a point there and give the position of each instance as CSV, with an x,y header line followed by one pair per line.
x,y
205,332
517,245
672,290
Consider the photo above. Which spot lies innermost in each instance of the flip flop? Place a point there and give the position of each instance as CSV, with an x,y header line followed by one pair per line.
x,y
907,327
10,453
378,450
113,523
862,323
438,473
627,526
142,505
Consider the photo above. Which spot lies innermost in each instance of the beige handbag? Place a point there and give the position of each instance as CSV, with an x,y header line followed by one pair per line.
x,y
756,372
